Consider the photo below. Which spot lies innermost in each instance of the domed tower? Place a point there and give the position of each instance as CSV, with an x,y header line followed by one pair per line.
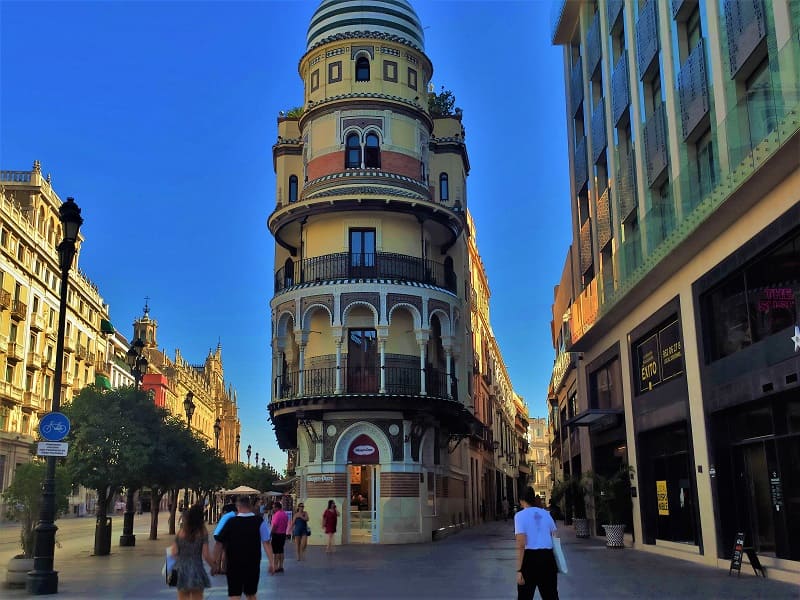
x,y
369,347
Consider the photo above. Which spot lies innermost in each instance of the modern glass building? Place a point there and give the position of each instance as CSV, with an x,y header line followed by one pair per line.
x,y
683,121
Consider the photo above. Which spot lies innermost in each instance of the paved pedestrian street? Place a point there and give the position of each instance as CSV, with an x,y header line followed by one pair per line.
x,y
475,563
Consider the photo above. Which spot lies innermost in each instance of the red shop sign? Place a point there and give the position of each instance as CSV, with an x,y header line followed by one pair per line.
x,y
363,451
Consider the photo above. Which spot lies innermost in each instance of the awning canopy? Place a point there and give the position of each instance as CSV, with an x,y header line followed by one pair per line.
x,y
592,416
102,381
106,326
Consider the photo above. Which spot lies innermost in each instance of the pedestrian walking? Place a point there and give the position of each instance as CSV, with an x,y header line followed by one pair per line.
x,y
278,527
300,531
241,538
534,529
329,520
190,548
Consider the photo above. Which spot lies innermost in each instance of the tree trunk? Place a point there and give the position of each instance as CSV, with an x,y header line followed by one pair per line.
x,y
155,503
102,538
173,507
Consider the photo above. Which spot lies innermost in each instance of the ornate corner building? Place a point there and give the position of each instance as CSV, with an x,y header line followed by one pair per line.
x,y
370,342
676,322
30,277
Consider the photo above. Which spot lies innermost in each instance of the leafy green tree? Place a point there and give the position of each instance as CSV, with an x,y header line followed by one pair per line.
x,y
23,499
295,113
211,472
441,104
110,439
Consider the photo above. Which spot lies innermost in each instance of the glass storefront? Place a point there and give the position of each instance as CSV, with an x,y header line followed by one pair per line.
x,y
758,483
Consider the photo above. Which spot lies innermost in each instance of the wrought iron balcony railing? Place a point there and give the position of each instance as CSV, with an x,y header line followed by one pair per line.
x,y
380,265
361,380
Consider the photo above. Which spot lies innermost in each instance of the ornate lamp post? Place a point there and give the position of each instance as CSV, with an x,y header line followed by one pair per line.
x,y
43,579
249,451
137,362
256,459
238,439
188,407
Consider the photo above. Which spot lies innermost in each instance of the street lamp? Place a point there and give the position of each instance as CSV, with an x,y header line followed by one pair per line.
x,y
217,430
43,579
238,439
256,459
188,407
137,361
249,450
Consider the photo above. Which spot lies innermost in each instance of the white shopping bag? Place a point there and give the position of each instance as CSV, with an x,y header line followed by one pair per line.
x,y
561,560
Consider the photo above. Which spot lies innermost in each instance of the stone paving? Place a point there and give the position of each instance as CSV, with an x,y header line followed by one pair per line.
x,y
476,563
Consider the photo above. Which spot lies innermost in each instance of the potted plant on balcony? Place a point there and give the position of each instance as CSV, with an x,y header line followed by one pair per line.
x,y
23,501
572,490
612,502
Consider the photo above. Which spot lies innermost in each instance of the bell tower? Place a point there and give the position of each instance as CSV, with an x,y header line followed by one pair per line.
x,y
145,328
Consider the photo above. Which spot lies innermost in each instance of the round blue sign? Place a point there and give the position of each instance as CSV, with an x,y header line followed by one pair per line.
x,y
54,426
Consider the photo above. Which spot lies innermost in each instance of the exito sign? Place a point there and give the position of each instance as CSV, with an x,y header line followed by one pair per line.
x,y
660,357
663,498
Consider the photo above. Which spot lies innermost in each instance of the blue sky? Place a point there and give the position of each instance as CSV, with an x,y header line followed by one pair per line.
x,y
159,117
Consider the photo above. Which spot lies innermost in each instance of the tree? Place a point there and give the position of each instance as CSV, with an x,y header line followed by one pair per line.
x,y
441,104
110,440
23,499
295,113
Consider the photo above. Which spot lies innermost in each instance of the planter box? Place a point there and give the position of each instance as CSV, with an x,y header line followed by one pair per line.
x,y
581,527
18,571
615,536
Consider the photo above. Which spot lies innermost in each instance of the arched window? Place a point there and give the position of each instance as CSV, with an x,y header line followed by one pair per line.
x,y
444,188
362,69
293,188
372,152
352,159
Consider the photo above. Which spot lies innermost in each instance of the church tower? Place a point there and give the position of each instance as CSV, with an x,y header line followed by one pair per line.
x,y
370,353
145,328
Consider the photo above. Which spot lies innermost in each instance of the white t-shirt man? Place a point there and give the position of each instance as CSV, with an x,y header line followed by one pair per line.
x,y
538,527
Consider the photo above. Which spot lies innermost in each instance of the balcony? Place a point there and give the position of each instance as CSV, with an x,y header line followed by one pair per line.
x,y
311,392
69,344
3,344
30,400
5,299
19,310
89,358
37,322
15,352
34,360
81,352
380,265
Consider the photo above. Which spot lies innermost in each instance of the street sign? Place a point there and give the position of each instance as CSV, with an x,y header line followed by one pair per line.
x,y
52,449
54,426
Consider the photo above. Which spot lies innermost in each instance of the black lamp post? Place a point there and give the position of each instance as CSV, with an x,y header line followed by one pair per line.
x,y
188,407
137,362
249,451
238,439
256,459
43,579
217,430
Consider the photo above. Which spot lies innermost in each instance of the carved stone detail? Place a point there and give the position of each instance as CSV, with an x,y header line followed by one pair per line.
x,y
393,300
371,298
395,441
324,299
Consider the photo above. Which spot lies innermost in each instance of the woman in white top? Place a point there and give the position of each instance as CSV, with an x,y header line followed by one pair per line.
x,y
536,565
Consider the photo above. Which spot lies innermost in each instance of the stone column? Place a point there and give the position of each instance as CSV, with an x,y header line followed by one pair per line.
x,y
382,347
300,366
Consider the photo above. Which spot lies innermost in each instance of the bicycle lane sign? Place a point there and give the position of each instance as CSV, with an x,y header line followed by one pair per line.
x,y
54,426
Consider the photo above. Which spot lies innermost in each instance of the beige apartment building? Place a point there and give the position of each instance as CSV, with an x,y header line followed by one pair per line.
x,y
30,230
676,321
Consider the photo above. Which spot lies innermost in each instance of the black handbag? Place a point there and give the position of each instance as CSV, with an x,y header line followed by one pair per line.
x,y
172,577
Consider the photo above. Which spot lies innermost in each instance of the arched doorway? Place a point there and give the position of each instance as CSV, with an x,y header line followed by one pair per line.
x,y
363,464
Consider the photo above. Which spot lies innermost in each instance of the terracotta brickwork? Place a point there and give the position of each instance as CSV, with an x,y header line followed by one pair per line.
x,y
399,484
392,162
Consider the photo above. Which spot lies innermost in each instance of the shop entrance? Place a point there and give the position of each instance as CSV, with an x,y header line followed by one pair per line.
x,y
768,480
364,504
363,459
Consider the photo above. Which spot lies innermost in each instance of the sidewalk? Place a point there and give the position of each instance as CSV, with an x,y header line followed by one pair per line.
x,y
478,563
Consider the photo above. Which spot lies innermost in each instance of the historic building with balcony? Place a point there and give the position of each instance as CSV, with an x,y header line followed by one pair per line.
x,y
681,338
538,458
370,345
30,277
169,380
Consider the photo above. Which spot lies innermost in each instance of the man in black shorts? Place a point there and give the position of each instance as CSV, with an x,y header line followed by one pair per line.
x,y
242,537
